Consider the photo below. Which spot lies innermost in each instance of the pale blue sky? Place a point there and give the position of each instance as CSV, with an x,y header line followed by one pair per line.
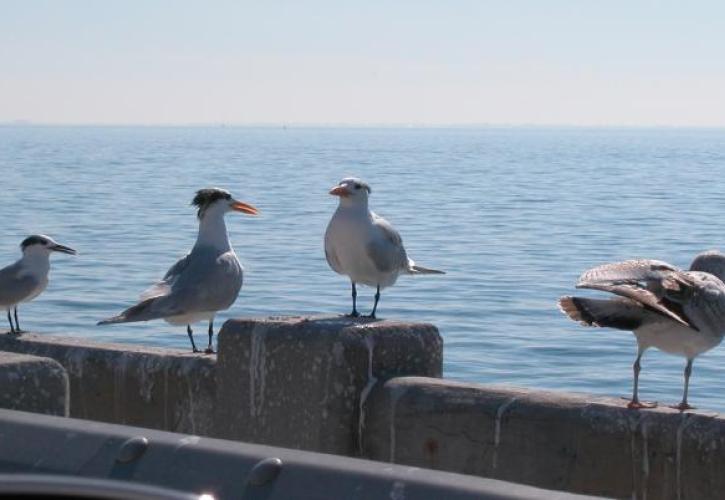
x,y
574,62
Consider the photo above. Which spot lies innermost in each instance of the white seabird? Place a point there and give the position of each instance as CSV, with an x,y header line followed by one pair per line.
x,y
205,281
364,246
678,312
28,277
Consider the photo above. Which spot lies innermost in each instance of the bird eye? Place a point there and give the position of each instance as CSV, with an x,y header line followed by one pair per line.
x,y
357,186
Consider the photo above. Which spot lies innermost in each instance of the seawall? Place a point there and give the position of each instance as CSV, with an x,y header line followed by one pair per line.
x,y
372,389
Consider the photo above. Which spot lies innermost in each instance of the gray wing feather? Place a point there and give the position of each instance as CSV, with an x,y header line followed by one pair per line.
x,y
644,281
387,252
628,271
641,295
206,281
178,268
15,287
620,313
163,286
693,298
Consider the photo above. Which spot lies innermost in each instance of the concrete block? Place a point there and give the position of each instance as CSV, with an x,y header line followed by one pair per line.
x,y
149,387
303,382
551,440
34,384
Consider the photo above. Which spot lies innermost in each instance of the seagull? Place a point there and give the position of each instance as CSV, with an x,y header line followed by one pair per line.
x,y
364,246
678,312
205,281
28,277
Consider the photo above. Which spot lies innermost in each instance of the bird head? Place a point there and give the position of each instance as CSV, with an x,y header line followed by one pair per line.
x,y
219,201
352,191
43,245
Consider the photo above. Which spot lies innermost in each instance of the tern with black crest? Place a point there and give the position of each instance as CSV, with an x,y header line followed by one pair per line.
x,y
678,312
205,281
363,246
28,277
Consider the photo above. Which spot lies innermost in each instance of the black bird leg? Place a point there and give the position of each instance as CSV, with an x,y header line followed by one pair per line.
x,y
210,349
10,319
354,313
191,337
377,298
17,323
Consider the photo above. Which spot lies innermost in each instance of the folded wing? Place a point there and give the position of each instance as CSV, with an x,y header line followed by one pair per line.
x,y
203,281
164,286
656,285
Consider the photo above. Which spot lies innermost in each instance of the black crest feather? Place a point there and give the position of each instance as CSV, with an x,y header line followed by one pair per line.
x,y
35,239
207,196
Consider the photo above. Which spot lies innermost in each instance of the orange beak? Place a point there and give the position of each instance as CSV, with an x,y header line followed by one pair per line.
x,y
240,206
339,191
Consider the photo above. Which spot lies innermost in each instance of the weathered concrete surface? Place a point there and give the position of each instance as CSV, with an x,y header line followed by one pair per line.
x,y
34,384
39,444
128,384
550,440
303,382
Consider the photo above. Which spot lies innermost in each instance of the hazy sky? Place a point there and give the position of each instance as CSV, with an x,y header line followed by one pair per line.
x,y
366,62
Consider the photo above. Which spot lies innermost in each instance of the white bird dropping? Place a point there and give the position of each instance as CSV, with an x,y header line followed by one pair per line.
x,y
364,246
205,281
28,277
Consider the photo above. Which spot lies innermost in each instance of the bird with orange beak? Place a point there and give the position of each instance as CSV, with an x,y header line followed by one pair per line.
x,y
363,246
207,280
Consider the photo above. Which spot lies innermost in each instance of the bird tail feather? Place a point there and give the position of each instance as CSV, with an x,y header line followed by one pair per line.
x,y
139,312
619,314
414,268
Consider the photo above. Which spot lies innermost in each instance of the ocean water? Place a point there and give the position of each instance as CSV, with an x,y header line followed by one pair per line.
x,y
512,214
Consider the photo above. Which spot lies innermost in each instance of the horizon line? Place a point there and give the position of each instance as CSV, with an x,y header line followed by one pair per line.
x,y
283,125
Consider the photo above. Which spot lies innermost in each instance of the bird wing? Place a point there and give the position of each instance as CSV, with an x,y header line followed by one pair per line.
x,y
626,272
15,285
208,281
652,283
385,246
330,254
712,262
163,286
619,312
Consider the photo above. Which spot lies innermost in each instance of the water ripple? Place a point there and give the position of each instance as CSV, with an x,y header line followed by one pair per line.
x,y
513,215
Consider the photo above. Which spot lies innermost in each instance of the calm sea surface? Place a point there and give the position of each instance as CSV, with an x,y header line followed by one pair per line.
x,y
513,215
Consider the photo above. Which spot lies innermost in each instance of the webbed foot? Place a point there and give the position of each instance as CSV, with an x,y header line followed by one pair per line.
x,y
639,405
682,406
